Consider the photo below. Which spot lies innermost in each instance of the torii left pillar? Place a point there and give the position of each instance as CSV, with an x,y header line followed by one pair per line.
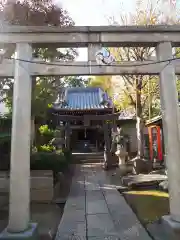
x,y
19,226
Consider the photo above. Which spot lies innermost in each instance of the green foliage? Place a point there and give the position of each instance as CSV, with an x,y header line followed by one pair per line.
x,y
5,133
5,141
67,154
47,161
103,82
45,138
5,144
5,123
46,131
178,87
44,93
75,81
46,148
5,137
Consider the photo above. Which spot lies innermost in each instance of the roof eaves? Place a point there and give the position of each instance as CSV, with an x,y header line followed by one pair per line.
x,y
153,120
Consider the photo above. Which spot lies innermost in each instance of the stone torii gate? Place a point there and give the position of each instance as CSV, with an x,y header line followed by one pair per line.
x,y
27,37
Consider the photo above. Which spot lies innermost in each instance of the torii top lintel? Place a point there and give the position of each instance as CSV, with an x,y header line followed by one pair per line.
x,y
81,36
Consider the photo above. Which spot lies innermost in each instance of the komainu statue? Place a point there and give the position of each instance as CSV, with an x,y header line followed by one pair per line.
x,y
119,143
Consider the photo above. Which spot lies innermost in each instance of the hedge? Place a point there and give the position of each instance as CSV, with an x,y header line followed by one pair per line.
x,y
57,162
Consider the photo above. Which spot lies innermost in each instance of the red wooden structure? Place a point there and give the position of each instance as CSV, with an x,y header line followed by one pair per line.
x,y
155,133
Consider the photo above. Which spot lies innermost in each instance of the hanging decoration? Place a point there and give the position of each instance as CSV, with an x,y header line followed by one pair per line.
x,y
104,57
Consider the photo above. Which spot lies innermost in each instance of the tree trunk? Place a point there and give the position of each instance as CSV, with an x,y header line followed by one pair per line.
x,y
139,129
139,125
149,100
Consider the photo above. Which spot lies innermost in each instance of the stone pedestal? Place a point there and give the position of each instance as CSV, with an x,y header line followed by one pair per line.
x,y
110,160
141,165
30,234
122,160
121,154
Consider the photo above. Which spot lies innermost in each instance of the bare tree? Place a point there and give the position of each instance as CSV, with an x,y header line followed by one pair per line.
x,y
136,88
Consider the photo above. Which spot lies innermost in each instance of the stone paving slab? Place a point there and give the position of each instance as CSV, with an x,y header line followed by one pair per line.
x,y
96,210
105,237
100,225
96,207
78,215
78,201
71,237
91,186
96,195
72,228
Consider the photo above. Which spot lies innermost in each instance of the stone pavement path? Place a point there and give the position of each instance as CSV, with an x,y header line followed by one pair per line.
x,y
95,210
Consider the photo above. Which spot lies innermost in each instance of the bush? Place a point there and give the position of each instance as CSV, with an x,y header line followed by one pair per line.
x,y
57,162
5,123
46,131
46,134
46,148
5,142
68,155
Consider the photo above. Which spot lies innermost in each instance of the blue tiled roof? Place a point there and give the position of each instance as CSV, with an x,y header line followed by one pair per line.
x,y
85,99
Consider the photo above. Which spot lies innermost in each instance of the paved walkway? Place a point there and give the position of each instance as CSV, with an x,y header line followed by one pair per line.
x,y
96,210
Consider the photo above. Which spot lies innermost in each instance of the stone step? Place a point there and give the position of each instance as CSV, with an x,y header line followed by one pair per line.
x,y
83,155
93,159
88,161
86,158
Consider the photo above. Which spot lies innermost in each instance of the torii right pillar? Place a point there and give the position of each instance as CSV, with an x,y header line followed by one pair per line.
x,y
171,128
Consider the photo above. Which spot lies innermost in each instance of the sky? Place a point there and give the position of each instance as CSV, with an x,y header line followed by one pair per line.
x,y
94,13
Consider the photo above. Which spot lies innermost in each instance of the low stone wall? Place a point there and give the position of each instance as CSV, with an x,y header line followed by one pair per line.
x,y
41,186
